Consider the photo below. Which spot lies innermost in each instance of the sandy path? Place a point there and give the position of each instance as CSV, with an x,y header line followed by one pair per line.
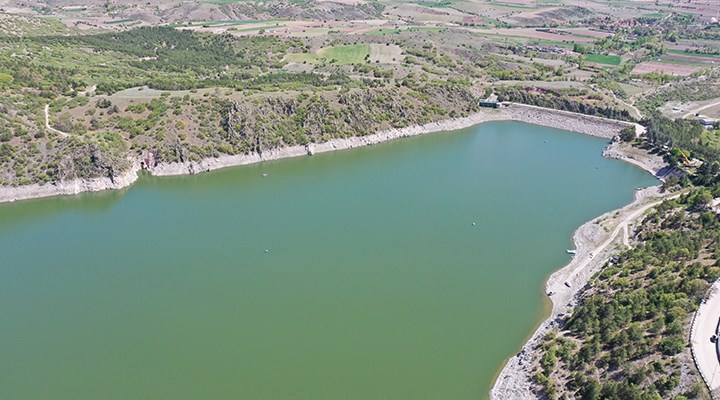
x,y
626,236
705,325
47,122
578,265
637,111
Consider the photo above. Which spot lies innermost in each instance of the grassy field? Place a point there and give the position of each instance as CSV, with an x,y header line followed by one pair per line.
x,y
603,59
338,55
19,26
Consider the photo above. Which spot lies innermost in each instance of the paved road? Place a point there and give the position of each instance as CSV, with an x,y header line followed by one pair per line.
x,y
706,321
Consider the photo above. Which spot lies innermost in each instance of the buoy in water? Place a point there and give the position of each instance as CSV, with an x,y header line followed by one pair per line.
x,y
474,224
267,251
264,175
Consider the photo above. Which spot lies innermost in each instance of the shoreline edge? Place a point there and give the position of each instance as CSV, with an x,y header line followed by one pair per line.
x,y
579,123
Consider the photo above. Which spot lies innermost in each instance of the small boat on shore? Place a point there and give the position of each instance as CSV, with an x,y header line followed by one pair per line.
x,y
573,252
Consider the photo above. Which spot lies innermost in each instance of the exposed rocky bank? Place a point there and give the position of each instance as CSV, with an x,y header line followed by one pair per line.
x,y
589,125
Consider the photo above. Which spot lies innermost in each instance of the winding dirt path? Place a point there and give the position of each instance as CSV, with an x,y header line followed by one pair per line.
x,y
628,105
622,226
47,123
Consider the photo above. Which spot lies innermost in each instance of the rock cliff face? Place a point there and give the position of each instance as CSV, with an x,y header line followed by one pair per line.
x,y
192,167
69,187
89,161
551,118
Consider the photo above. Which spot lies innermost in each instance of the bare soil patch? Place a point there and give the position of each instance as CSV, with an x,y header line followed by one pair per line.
x,y
670,69
533,33
385,54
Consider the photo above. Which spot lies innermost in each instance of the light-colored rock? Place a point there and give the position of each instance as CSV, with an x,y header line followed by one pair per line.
x,y
589,125
70,187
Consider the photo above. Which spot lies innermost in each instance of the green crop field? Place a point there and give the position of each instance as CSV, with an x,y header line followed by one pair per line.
x,y
509,5
120,21
338,55
347,54
603,59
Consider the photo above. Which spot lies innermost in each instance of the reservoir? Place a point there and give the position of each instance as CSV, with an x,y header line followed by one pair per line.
x,y
406,270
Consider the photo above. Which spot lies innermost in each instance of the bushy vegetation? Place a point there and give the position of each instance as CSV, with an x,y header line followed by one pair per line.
x,y
568,100
237,97
694,89
163,58
681,133
216,125
627,339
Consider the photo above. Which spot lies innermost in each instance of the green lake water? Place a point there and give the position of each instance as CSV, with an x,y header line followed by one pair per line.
x,y
375,284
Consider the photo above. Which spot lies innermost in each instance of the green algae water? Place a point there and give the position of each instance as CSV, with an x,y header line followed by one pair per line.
x,y
350,275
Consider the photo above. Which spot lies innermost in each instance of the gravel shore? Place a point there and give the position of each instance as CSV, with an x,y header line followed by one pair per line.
x,y
595,242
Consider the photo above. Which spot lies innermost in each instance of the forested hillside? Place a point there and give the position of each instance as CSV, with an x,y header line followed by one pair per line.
x,y
177,95
627,339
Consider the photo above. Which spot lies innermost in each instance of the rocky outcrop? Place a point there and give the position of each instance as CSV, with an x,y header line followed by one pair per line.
x,y
69,187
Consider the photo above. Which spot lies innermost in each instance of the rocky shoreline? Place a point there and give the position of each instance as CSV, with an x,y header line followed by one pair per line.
x,y
595,241
580,123
515,379
70,187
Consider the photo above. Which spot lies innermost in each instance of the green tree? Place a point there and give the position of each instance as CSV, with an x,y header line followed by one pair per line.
x,y
628,134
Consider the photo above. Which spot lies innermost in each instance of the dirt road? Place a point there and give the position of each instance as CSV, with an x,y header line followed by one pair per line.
x,y
47,123
697,110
